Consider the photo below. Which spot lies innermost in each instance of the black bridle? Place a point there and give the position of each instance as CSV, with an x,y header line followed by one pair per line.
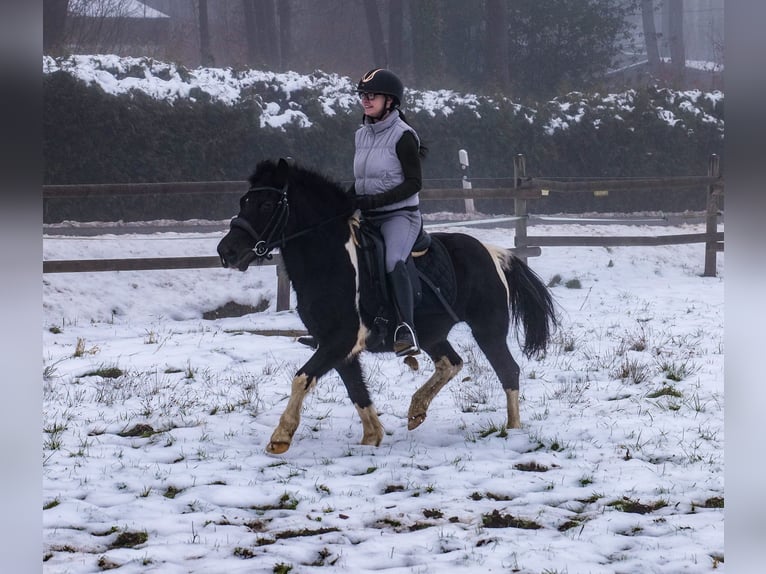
x,y
274,233
266,242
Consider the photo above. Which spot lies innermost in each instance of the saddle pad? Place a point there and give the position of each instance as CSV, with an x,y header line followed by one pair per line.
x,y
437,266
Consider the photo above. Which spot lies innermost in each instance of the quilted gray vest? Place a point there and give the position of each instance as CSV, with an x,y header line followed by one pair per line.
x,y
376,167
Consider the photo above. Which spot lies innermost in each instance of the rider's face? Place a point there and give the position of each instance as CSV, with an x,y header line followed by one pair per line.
x,y
373,104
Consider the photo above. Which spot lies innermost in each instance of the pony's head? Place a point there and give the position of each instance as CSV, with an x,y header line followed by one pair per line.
x,y
283,202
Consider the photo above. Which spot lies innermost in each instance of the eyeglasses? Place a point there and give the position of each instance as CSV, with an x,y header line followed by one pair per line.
x,y
368,96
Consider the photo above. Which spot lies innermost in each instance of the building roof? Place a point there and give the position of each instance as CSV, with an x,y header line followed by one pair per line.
x,y
113,9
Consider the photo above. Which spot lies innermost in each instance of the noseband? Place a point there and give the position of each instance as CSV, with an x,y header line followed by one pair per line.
x,y
273,233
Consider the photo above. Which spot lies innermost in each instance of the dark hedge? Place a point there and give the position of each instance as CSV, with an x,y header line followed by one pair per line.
x,y
93,137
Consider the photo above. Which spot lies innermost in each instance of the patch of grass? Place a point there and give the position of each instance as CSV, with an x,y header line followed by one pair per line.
x,y
322,558
490,496
80,350
497,520
129,539
591,499
531,467
626,504
304,532
573,284
677,371
491,429
52,504
55,330
286,502
172,492
393,488
241,552
585,480
632,370
666,391
714,502
138,430
106,373
573,523
432,513
282,568
234,309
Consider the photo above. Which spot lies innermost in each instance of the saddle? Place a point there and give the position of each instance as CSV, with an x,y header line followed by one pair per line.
x,y
431,274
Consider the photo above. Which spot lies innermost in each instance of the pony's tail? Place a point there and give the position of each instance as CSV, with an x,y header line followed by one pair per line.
x,y
531,304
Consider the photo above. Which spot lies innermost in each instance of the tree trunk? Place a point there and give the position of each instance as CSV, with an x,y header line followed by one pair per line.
x,y
54,25
206,55
395,34
266,30
427,41
498,72
650,36
250,35
375,28
676,39
284,12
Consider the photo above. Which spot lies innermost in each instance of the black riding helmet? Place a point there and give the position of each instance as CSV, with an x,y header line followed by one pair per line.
x,y
382,81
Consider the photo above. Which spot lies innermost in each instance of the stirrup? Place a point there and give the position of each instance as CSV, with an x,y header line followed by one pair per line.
x,y
408,344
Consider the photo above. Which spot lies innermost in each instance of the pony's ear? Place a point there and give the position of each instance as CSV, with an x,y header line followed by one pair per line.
x,y
283,167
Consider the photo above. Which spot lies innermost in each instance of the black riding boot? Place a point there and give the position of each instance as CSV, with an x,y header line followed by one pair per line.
x,y
405,341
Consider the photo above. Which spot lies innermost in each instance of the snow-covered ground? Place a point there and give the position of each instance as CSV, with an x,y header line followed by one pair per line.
x,y
155,422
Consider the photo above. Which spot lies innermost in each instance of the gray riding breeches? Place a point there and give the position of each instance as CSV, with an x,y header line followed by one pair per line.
x,y
400,229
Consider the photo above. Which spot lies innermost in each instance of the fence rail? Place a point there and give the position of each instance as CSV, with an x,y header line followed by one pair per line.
x,y
524,189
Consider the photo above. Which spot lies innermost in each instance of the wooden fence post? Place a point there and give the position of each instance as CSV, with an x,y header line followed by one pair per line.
x,y
711,223
520,205
464,167
283,287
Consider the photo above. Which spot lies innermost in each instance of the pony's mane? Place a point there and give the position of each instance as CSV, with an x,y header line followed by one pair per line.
x,y
299,177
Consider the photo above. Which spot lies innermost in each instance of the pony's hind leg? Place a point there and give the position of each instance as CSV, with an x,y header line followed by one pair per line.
x,y
353,378
495,348
448,363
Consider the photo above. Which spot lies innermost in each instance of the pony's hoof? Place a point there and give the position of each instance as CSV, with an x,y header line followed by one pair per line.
x,y
411,362
277,447
415,422
371,441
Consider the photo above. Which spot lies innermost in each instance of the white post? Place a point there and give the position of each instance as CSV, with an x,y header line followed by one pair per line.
x,y
464,165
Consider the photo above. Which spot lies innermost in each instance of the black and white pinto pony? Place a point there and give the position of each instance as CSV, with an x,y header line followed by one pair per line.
x,y
310,219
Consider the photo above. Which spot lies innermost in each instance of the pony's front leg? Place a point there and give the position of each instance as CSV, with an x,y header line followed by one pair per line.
x,y
352,376
282,436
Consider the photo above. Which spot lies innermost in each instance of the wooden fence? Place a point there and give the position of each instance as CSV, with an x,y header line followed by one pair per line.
x,y
524,190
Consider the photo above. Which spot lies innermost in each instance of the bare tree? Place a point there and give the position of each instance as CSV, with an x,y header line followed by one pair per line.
x,y
498,70
54,24
676,39
375,27
284,14
206,55
396,34
250,35
650,36
427,40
